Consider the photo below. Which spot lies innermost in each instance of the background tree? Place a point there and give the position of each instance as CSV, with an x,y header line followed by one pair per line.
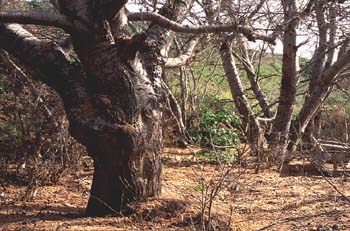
x,y
302,24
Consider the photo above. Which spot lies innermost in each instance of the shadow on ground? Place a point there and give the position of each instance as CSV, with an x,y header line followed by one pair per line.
x,y
38,212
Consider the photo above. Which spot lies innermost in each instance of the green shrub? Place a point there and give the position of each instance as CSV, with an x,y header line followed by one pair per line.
x,y
216,129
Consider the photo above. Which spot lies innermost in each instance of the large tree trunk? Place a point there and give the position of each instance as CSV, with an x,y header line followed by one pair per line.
x,y
127,166
281,125
113,93
122,128
114,109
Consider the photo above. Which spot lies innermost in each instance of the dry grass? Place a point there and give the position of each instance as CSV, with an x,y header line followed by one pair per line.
x,y
261,201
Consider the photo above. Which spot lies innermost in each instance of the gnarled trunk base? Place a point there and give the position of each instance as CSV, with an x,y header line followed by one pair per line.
x,y
117,182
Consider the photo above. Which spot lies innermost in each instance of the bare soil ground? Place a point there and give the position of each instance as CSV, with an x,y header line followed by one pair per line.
x,y
247,201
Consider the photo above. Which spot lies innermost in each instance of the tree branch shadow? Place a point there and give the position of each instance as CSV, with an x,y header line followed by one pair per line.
x,y
310,170
297,218
22,213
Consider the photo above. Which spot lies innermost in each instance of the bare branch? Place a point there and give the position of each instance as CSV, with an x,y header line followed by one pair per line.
x,y
253,77
342,89
25,78
258,7
182,59
50,62
162,21
36,18
55,4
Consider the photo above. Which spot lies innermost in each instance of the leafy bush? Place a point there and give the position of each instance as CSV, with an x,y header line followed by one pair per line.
x,y
216,129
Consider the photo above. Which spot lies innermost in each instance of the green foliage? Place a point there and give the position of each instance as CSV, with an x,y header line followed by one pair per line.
x,y
200,186
218,128
338,99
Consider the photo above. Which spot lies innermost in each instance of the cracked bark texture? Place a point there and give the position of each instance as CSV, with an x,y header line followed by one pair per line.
x,y
113,97
112,90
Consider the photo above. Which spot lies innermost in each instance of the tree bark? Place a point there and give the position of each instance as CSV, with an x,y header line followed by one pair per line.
x,y
253,79
113,95
317,97
253,132
290,65
127,166
123,134
115,112
318,60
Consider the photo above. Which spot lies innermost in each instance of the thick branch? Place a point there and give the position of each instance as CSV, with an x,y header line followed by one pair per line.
x,y
171,25
49,61
253,79
281,124
253,131
36,18
184,58
317,96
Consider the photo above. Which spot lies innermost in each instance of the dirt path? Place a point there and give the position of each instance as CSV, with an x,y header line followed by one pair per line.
x,y
248,201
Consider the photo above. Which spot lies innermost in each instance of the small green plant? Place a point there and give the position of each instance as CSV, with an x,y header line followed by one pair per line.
x,y
200,186
225,157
